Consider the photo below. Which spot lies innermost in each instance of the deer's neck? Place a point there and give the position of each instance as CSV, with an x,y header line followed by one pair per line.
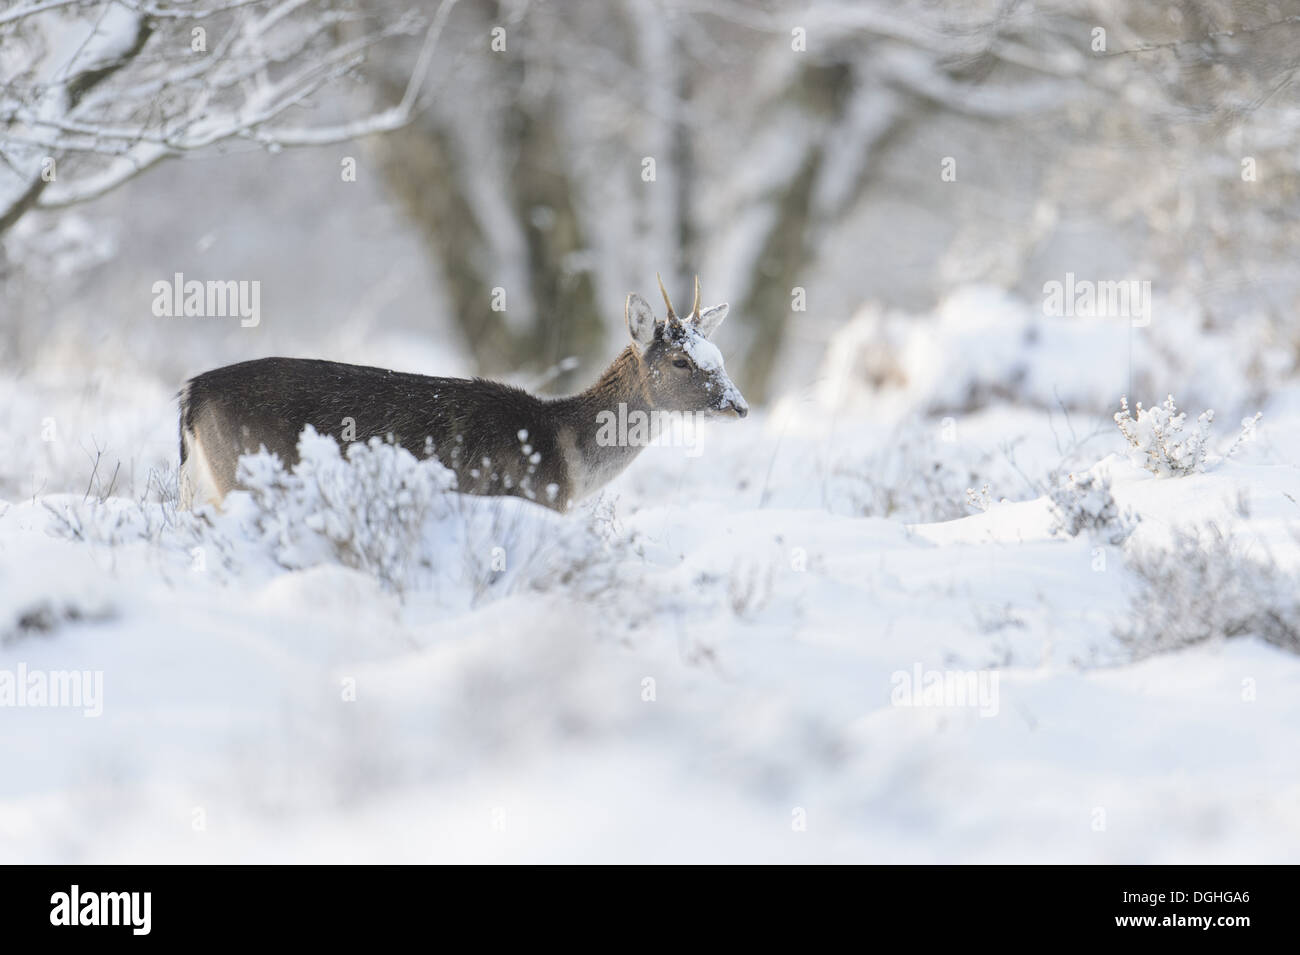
x,y
604,428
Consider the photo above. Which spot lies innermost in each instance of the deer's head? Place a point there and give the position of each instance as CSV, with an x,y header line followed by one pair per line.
x,y
682,368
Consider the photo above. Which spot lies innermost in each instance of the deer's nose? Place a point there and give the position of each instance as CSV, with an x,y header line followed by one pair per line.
x,y
741,410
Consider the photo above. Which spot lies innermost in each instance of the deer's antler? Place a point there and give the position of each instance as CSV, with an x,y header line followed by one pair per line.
x,y
672,316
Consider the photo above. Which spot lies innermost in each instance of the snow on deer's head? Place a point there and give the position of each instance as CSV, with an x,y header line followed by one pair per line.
x,y
683,369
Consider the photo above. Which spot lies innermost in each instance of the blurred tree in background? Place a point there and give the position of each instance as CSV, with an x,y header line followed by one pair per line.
x,y
572,150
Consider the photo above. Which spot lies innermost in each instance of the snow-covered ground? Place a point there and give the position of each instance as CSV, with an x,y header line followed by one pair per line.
x,y
726,657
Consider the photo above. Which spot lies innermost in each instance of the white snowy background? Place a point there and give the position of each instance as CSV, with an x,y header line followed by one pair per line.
x,y
704,663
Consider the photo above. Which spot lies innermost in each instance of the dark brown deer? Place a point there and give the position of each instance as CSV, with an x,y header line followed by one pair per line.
x,y
498,439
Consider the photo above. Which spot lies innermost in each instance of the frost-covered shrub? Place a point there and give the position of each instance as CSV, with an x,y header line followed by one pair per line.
x,y
980,500
378,508
111,522
508,545
913,477
365,509
374,507
1205,586
150,518
1161,441
1084,503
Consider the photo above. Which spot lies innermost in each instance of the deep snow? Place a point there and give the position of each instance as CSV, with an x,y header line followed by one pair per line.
x,y
718,680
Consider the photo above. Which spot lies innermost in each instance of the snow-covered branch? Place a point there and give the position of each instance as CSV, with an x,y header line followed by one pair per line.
x,y
176,78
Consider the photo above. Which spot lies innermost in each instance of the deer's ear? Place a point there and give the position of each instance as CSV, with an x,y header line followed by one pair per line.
x,y
640,321
711,318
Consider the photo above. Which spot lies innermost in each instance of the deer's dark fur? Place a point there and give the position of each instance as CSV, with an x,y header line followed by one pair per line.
x,y
498,439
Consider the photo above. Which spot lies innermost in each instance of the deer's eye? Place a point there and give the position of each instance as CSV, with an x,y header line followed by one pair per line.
x,y
681,363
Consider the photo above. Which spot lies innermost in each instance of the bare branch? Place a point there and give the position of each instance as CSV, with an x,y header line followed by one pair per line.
x,y
267,58
15,14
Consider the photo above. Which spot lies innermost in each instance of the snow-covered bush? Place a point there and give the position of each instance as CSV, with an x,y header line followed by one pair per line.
x,y
365,509
1206,586
378,508
1084,503
507,545
913,476
980,500
99,519
1161,441
984,346
110,522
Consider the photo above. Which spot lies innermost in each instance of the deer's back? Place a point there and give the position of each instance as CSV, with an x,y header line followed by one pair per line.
x,y
497,438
